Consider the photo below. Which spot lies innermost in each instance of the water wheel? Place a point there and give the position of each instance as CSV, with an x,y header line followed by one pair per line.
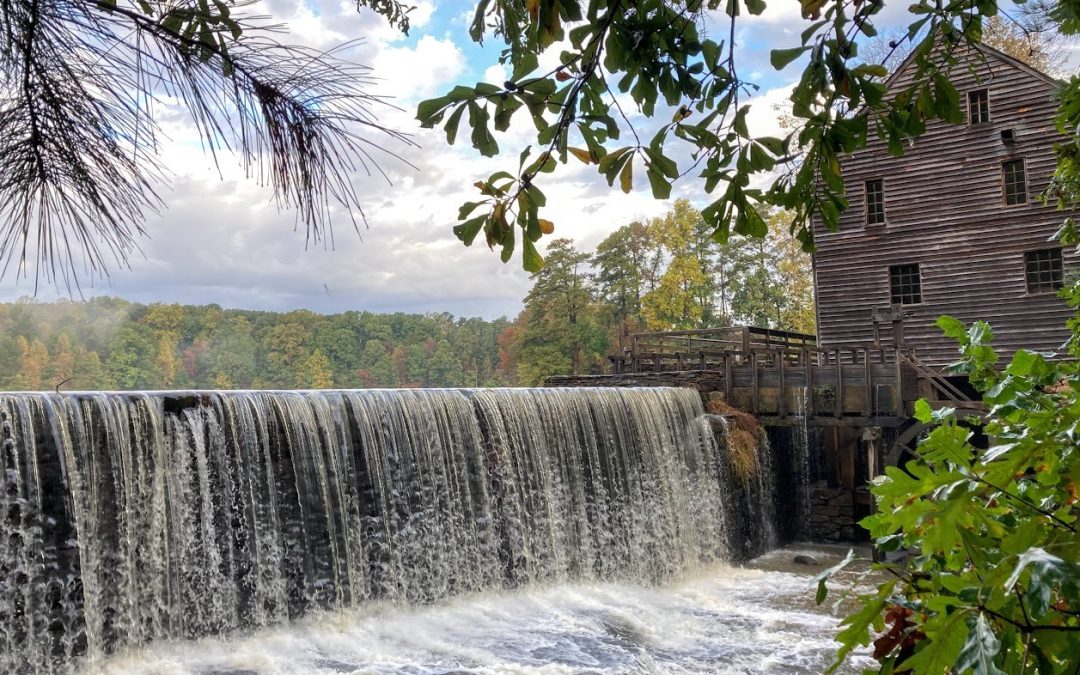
x,y
903,448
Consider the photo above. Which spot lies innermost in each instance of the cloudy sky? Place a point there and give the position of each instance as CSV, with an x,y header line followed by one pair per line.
x,y
221,239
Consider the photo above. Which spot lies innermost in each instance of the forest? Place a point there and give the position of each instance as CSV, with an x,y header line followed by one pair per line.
x,y
666,273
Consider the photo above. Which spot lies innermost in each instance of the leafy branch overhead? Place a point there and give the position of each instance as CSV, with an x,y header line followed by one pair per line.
x,y
688,94
83,84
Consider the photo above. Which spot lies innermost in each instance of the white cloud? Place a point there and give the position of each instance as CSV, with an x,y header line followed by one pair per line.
x,y
412,73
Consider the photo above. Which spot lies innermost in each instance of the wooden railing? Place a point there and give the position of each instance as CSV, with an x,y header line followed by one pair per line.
x,y
769,372
682,349
937,382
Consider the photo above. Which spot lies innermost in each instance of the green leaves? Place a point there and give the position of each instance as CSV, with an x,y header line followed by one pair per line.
x,y
946,639
826,574
1048,575
995,586
782,58
620,62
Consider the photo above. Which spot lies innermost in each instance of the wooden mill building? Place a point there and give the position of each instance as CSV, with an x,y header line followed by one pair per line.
x,y
954,225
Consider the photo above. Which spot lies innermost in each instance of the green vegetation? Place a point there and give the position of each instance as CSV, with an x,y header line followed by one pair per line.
x,y
993,582
665,274
107,343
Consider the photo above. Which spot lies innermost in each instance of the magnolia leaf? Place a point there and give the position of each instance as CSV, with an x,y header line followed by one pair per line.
x,y
583,155
531,259
782,58
626,178
755,7
661,188
468,230
451,126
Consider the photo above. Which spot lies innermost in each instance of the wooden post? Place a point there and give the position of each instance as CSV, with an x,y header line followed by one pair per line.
x,y
838,403
727,377
746,339
754,381
781,404
809,365
868,405
900,409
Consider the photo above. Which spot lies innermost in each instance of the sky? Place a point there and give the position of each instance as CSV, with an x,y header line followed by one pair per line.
x,y
221,239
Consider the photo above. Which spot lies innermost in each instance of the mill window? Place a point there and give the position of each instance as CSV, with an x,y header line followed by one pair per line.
x,y
978,106
1014,181
905,284
875,202
1044,270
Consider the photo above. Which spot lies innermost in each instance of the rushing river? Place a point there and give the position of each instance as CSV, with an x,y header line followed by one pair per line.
x,y
725,619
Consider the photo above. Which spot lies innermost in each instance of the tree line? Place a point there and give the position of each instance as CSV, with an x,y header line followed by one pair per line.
x,y
109,343
668,273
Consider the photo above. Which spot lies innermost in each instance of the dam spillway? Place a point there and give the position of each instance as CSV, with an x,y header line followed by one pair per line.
x,y
132,517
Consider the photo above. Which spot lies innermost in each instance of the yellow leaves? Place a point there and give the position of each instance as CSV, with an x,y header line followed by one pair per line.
x,y
811,9
584,155
681,114
546,226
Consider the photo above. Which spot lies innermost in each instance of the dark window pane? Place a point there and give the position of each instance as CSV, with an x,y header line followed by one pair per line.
x,y
905,284
1043,270
1015,183
978,106
875,202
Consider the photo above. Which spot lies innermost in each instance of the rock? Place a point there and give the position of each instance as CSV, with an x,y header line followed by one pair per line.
x,y
805,560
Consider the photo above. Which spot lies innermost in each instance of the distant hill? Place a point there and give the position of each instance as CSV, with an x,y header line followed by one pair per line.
x,y
110,343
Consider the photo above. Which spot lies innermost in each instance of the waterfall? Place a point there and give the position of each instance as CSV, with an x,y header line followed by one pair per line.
x,y
132,517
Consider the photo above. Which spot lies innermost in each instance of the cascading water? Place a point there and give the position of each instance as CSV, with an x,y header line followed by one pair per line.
x,y
133,517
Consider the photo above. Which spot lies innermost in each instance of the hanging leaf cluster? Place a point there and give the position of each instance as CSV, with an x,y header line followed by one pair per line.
x,y
650,89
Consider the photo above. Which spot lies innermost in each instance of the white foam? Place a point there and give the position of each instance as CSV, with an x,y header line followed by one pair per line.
x,y
724,620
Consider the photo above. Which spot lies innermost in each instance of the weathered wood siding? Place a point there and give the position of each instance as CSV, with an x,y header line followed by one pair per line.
x,y
944,209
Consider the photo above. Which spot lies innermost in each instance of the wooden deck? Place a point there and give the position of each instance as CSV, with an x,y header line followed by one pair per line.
x,y
780,377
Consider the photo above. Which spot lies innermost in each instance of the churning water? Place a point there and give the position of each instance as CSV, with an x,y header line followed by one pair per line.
x,y
397,530
721,620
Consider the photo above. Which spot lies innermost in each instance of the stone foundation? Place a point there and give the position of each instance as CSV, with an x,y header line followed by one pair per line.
x,y
832,514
